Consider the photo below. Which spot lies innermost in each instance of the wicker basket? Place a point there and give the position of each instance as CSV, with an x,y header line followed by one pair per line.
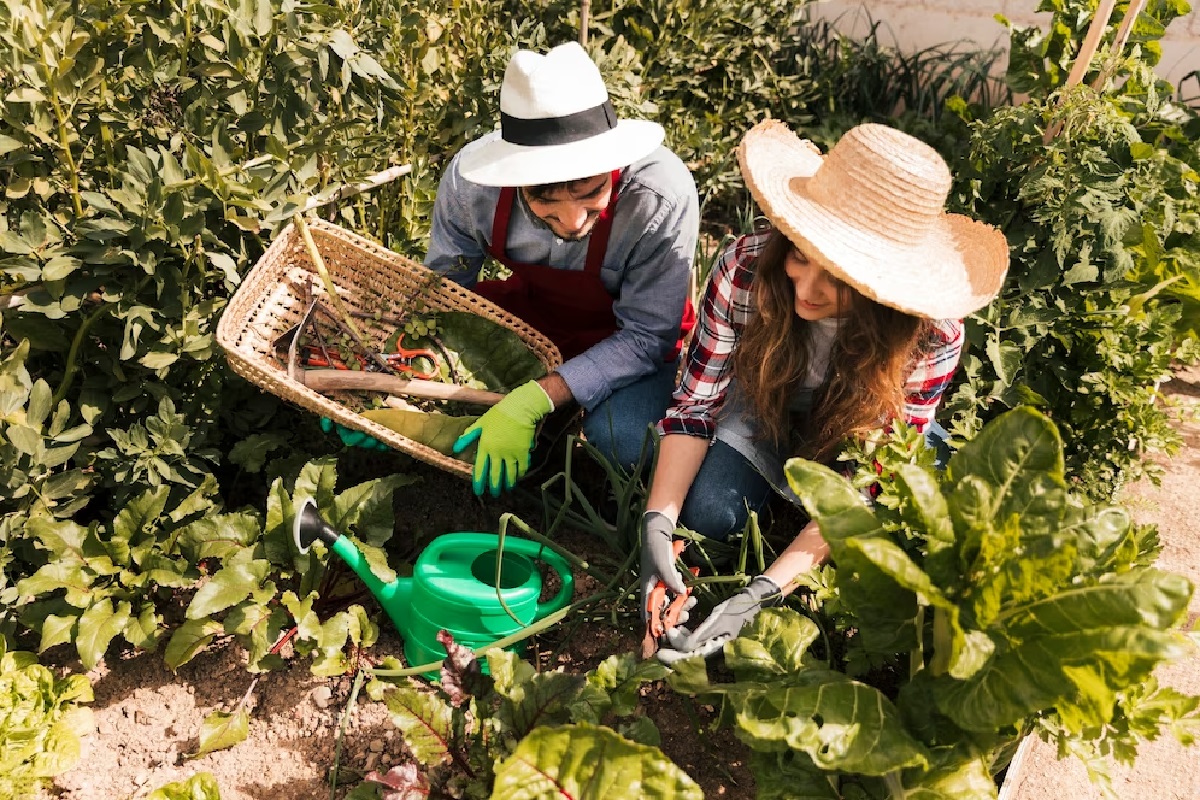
x,y
269,302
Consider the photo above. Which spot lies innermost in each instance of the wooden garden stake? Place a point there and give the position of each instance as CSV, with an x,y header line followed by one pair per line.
x,y
1118,45
1084,59
585,6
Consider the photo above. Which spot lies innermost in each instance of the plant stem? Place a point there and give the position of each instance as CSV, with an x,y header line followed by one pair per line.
x,y
64,143
499,644
896,790
71,368
335,299
337,751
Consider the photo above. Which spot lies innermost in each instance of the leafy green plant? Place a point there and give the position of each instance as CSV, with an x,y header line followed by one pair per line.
x,y
41,722
201,786
518,733
240,599
1103,223
968,609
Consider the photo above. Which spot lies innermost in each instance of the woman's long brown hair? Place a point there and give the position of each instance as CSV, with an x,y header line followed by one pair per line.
x,y
864,385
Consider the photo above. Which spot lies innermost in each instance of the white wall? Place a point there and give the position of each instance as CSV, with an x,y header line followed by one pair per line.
x,y
916,24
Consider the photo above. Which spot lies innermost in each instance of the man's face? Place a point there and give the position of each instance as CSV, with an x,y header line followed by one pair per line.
x,y
571,210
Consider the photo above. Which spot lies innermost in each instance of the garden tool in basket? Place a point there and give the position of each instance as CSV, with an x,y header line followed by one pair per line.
x,y
461,583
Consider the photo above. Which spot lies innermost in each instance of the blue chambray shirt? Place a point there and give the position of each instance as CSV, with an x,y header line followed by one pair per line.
x,y
646,267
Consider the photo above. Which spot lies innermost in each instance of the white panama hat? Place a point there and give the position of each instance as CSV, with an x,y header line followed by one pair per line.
x,y
556,124
872,212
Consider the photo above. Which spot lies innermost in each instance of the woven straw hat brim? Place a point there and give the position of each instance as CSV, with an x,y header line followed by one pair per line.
x,y
957,267
491,161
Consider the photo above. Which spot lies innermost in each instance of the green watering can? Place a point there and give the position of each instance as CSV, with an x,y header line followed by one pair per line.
x,y
453,586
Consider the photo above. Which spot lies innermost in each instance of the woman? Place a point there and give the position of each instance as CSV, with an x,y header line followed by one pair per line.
x,y
842,317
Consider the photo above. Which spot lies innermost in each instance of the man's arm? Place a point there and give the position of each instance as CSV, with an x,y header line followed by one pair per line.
x,y
456,246
657,231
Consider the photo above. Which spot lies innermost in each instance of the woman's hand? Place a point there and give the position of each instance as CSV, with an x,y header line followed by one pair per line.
x,y
724,623
658,557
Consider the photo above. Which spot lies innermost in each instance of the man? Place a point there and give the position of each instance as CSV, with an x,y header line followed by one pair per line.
x,y
597,222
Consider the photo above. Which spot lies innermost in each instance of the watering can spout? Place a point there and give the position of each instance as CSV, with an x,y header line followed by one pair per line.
x,y
310,526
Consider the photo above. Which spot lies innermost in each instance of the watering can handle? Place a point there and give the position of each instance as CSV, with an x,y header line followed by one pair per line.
x,y
532,549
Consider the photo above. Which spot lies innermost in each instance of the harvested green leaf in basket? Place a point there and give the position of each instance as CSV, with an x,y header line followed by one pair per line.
x,y
474,352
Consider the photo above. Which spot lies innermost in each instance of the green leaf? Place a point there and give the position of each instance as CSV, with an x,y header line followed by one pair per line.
x,y
221,730
201,786
189,639
773,646
425,721
431,429
56,630
234,582
97,627
588,763
840,724
542,700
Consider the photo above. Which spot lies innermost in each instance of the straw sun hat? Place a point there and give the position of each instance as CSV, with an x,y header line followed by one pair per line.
x,y
871,212
556,124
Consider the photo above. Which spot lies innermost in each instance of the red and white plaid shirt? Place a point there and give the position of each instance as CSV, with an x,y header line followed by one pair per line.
x,y
726,308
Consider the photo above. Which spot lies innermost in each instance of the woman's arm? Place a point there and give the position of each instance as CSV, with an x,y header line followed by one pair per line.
x,y
679,459
806,551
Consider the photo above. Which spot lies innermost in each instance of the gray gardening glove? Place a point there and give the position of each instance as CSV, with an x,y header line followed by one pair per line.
x,y
658,557
724,623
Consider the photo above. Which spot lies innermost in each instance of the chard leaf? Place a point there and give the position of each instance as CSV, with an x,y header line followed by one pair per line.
x,y
233,583
221,730
492,354
839,723
621,676
541,700
1079,672
97,627
432,429
1019,457
790,775
953,774
189,639
426,721
773,646
201,786
367,509
886,610
588,763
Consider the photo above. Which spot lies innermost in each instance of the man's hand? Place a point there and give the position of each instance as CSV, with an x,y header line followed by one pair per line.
x,y
658,558
724,623
351,437
505,435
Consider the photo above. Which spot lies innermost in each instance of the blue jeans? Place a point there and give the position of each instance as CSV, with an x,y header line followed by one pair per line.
x,y
621,425
728,487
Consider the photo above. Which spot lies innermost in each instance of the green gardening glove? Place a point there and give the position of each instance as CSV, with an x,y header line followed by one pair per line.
x,y
505,435
351,437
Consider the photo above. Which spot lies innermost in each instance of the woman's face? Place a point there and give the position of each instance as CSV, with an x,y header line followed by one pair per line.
x,y
817,291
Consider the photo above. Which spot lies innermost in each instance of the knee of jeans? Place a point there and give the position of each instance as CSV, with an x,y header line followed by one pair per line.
x,y
714,517
621,448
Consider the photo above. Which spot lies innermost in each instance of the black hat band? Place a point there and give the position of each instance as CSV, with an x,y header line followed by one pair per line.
x,y
558,130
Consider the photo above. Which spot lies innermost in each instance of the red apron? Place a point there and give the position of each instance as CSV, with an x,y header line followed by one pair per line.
x,y
570,307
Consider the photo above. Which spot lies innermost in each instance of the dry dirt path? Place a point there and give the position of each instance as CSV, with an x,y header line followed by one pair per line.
x,y
1164,769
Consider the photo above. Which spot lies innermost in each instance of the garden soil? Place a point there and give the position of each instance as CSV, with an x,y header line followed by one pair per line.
x,y
147,719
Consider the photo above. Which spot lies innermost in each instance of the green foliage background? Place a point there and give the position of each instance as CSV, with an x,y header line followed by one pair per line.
x,y
149,152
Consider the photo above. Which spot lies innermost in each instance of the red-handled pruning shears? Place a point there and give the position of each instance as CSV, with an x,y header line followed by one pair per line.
x,y
661,616
405,359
